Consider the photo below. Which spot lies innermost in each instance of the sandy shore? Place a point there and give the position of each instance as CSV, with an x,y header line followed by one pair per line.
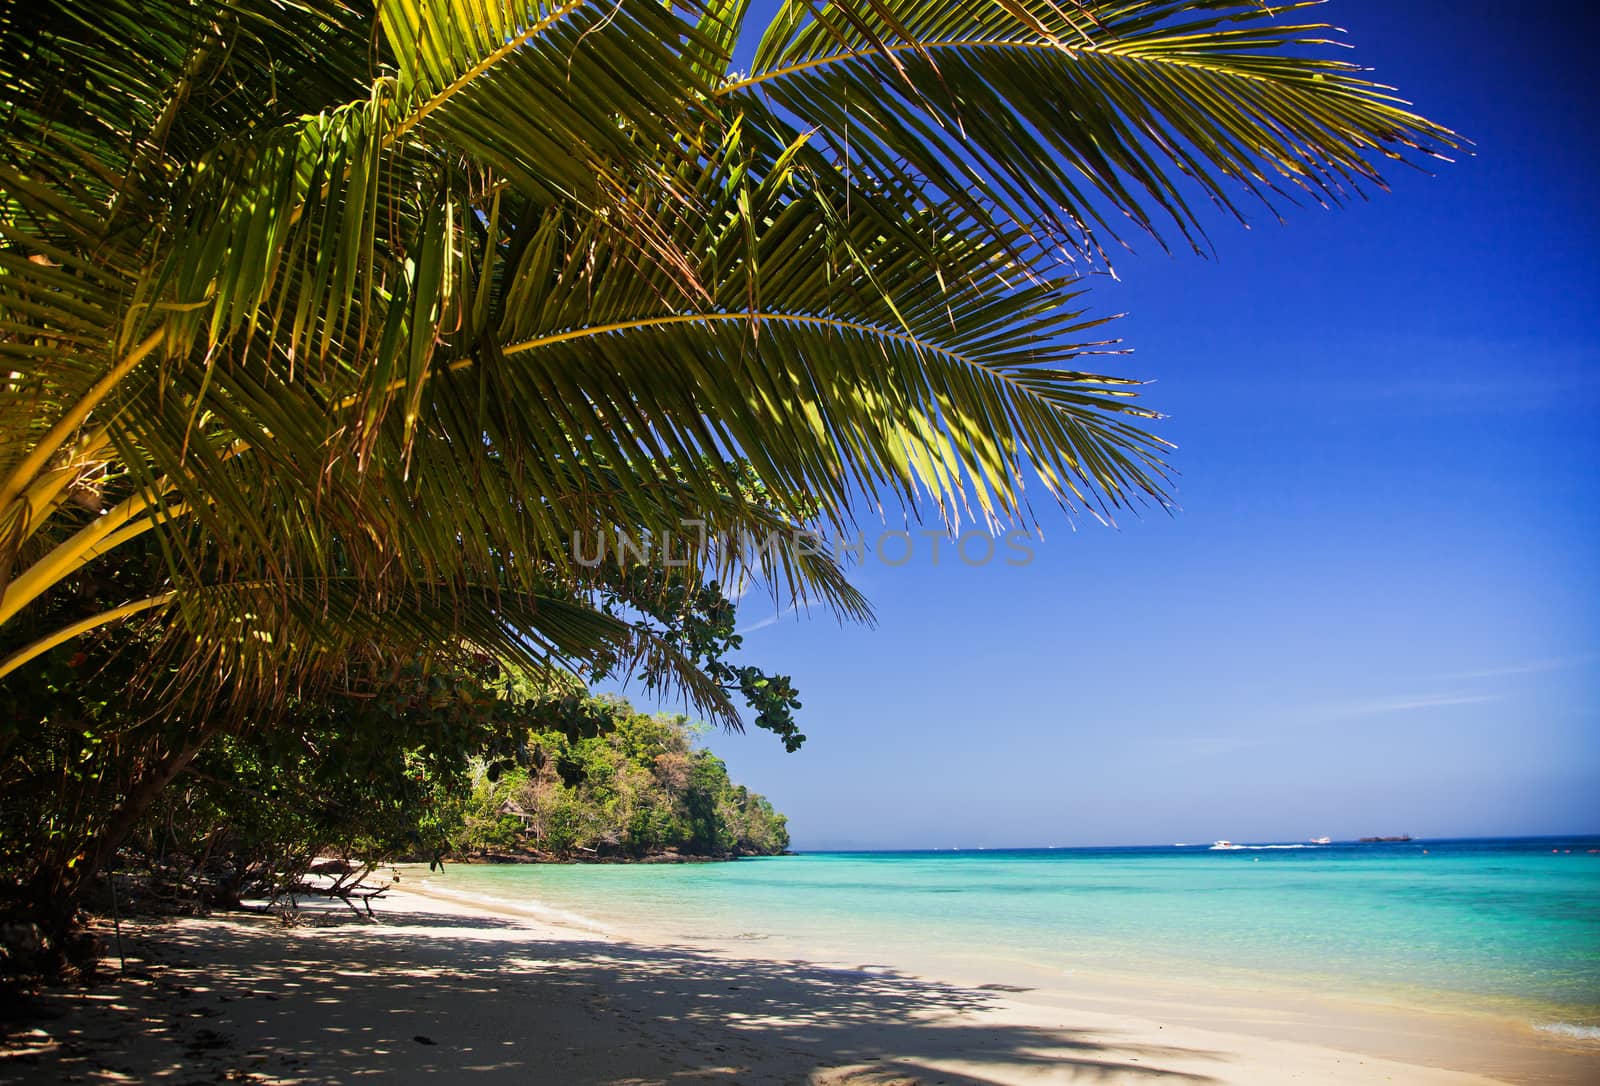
x,y
435,988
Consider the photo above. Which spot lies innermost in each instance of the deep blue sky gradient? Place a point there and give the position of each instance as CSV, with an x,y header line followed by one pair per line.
x,y
1377,609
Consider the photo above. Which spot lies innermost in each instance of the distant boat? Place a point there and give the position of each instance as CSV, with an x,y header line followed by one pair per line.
x,y
1224,845
1322,840
1383,840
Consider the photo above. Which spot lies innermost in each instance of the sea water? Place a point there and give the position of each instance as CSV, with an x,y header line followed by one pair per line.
x,y
1503,926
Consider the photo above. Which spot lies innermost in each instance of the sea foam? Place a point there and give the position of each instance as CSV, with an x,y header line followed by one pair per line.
x,y
1568,1029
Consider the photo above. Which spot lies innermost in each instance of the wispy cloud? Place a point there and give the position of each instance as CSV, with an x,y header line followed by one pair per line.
x,y
1210,745
1445,698
770,620
1529,667
1403,703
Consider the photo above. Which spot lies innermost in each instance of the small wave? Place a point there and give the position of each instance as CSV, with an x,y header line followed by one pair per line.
x,y
1255,848
1569,1029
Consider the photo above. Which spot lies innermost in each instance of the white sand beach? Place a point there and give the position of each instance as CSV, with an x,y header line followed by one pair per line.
x,y
436,988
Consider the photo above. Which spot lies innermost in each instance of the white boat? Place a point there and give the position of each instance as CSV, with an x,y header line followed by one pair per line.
x,y
1224,845
1322,840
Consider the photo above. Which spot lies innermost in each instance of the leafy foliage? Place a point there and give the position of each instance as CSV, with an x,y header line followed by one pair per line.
x,y
591,776
447,766
371,769
303,278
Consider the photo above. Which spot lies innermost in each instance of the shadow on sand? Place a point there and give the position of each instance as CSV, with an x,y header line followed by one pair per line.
x,y
423,996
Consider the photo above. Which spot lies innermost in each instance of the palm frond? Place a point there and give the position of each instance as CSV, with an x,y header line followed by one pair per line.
x,y
828,356
1069,117
359,324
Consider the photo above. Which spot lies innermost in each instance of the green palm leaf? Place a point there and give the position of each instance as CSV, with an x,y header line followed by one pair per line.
x,y
363,322
1063,115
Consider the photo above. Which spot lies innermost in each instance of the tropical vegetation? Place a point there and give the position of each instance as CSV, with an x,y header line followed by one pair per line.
x,y
592,777
559,777
326,328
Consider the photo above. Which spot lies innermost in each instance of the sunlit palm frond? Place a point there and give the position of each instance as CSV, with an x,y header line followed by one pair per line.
x,y
363,321
1073,115
829,356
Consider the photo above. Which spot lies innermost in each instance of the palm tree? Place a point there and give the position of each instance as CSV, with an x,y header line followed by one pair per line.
x,y
364,314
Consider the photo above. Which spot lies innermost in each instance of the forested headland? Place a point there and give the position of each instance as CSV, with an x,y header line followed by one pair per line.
x,y
593,778
565,777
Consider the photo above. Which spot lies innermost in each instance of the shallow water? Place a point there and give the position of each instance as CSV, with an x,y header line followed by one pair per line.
x,y
1505,926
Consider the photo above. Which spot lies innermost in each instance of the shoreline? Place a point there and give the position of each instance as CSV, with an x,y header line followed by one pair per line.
x,y
1167,972
440,985
1498,1043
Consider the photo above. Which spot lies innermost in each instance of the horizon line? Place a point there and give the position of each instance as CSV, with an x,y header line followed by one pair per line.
x,y
1205,845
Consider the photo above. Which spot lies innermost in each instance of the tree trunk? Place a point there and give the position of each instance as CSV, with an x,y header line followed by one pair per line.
x,y
69,885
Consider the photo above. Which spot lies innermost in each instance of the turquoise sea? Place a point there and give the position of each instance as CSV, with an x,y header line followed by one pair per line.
x,y
1504,926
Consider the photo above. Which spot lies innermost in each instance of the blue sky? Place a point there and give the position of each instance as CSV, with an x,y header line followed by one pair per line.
x,y
1377,609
